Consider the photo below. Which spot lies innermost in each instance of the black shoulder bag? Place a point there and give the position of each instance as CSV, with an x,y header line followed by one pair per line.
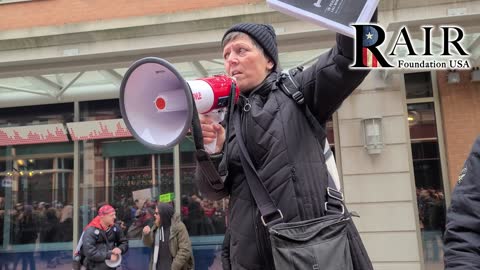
x,y
331,242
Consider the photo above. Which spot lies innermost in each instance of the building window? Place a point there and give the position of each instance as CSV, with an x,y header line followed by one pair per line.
x,y
100,110
36,115
427,164
418,85
37,194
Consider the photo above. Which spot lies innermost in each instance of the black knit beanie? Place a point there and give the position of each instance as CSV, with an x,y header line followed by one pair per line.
x,y
263,34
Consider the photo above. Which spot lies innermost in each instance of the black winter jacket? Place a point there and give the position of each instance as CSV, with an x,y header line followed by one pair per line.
x,y
462,235
285,152
95,246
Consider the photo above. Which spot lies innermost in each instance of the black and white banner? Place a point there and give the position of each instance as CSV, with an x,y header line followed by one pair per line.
x,y
336,15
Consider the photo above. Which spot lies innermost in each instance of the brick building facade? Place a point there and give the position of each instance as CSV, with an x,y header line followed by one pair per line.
x,y
460,105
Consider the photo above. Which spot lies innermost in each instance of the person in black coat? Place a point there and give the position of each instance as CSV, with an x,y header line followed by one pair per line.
x,y
103,240
462,232
279,139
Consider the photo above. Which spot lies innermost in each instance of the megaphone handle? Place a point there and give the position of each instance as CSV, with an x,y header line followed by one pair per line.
x,y
217,117
210,148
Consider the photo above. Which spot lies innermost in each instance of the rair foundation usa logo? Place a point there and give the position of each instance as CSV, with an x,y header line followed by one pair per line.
x,y
447,54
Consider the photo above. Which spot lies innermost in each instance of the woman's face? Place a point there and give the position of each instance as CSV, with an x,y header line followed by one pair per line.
x,y
246,63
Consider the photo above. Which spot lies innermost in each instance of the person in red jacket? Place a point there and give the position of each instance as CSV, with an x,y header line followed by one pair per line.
x,y
103,240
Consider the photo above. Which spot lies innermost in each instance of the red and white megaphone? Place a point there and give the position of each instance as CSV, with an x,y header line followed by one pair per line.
x,y
157,103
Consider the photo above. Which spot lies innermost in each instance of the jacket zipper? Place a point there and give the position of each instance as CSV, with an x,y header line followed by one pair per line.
x,y
299,191
262,241
247,106
257,232
294,176
262,233
245,110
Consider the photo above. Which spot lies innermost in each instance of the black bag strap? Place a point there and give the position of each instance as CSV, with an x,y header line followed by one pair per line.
x,y
293,92
270,214
335,198
214,176
287,83
79,245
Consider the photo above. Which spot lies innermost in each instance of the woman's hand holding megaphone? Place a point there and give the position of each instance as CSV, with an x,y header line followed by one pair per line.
x,y
211,132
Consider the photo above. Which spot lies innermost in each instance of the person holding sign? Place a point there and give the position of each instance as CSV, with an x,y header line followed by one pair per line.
x,y
283,147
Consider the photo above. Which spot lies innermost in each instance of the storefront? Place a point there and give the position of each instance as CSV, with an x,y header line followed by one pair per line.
x,y
39,181
39,195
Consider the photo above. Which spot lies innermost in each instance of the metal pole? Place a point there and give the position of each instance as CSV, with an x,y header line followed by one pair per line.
x,y
176,177
76,181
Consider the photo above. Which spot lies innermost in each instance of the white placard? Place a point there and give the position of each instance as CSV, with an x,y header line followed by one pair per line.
x,y
142,195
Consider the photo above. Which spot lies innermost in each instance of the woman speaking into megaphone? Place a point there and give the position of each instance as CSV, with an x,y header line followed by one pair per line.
x,y
283,148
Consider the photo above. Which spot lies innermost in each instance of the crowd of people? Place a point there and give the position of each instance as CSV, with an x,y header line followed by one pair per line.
x,y
52,222
431,211
39,222
201,216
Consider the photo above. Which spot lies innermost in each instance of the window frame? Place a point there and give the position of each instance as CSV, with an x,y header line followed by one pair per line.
x,y
435,99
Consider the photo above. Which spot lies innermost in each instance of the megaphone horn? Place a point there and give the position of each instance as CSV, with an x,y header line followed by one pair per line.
x,y
157,103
